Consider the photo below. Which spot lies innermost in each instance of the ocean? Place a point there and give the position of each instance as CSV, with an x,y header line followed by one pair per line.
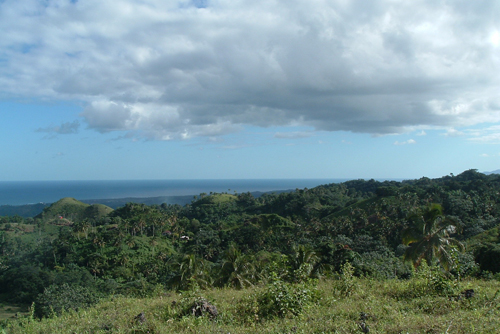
x,y
31,192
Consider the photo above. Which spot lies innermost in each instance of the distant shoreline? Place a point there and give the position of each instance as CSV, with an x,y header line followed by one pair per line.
x,y
33,209
36,192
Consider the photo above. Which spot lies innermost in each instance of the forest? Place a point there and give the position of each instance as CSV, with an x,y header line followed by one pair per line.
x,y
280,254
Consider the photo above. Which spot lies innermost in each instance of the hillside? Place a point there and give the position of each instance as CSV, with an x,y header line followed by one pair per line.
x,y
240,241
368,306
73,210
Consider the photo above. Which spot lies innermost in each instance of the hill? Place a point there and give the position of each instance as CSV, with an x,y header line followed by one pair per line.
x,y
239,240
73,210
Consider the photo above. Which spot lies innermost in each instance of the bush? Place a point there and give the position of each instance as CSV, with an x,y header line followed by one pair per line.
x,y
281,299
381,266
487,256
347,284
429,281
57,299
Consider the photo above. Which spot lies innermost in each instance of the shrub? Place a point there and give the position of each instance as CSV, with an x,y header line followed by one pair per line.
x,y
487,257
347,284
431,281
59,298
281,299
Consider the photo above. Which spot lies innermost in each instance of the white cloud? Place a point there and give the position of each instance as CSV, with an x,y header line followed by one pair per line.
x,y
453,133
489,135
409,142
63,129
176,70
292,135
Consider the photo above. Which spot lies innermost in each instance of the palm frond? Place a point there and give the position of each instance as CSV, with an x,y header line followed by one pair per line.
x,y
429,237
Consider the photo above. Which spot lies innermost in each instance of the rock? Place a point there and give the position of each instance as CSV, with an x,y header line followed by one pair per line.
x,y
141,317
364,327
468,293
202,307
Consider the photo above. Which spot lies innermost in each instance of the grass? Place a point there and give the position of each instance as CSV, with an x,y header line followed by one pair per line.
x,y
9,310
17,228
383,306
216,199
73,210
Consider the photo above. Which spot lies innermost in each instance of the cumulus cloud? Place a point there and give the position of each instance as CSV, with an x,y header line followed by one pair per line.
x,y
63,129
181,69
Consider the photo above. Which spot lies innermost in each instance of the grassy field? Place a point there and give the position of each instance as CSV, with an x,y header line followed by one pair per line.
x,y
381,306
9,311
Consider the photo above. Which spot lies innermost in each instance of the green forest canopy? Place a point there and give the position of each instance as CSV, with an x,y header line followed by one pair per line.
x,y
238,239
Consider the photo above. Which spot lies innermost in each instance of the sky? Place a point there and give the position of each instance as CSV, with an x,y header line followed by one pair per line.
x,y
233,89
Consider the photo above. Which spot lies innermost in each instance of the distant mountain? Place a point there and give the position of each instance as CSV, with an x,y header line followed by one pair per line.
x,y
493,172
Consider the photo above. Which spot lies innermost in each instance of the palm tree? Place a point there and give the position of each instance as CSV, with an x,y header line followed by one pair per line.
x,y
191,270
429,237
302,263
236,269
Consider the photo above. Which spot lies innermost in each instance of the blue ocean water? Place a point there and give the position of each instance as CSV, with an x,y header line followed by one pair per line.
x,y
28,192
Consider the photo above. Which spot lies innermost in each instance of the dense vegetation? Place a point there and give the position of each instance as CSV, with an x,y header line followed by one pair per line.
x,y
74,254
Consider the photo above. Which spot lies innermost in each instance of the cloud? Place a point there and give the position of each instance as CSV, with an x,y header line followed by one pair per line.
x,y
63,129
292,135
490,135
409,142
59,154
454,133
169,70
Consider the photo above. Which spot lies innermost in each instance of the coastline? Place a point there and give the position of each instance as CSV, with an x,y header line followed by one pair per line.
x,y
33,209
36,192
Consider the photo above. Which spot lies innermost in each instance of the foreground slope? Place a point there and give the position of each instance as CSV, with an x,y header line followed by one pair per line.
x,y
375,306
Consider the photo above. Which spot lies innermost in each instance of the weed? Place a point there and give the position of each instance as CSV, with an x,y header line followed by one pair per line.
x,y
347,284
282,299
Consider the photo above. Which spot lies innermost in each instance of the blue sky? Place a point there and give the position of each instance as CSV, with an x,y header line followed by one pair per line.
x,y
236,89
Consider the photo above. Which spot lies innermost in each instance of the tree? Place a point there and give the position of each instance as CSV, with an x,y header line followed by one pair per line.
x,y
191,270
428,237
302,263
236,269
